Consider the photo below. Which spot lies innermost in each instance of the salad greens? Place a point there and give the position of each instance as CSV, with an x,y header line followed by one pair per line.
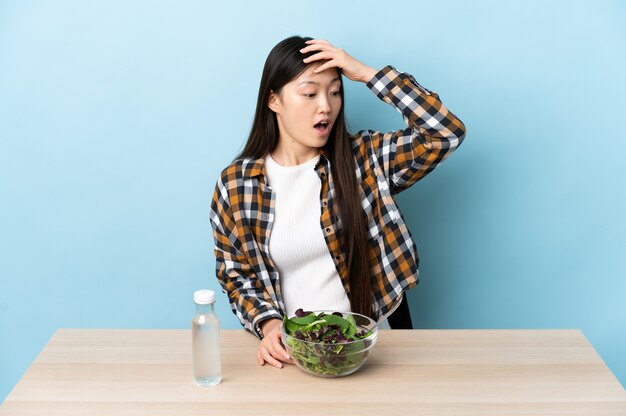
x,y
326,344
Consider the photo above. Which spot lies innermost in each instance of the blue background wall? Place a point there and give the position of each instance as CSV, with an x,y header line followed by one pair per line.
x,y
116,118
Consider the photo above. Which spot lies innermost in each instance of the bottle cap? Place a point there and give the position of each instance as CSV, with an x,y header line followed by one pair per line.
x,y
204,297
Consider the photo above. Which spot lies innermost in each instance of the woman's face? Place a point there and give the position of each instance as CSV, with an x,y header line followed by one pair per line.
x,y
303,103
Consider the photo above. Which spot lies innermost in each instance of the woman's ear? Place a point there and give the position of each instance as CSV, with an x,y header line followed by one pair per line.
x,y
274,102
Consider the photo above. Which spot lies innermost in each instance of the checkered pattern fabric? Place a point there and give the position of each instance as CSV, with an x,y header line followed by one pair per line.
x,y
242,208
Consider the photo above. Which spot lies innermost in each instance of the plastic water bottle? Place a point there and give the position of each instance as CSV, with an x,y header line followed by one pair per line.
x,y
205,332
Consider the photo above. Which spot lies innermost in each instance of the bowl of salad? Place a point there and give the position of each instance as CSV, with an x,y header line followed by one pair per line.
x,y
328,343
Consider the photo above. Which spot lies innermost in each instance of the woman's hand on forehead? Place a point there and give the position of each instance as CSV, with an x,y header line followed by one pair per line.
x,y
352,68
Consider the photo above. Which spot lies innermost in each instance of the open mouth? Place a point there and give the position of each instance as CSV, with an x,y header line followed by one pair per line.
x,y
323,127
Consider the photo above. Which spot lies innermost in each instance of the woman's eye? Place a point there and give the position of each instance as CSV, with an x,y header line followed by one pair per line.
x,y
336,93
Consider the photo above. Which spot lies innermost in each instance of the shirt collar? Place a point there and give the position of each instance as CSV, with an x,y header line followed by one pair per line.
x,y
324,154
254,167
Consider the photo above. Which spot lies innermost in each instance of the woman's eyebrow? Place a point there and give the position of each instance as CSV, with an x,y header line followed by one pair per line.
x,y
317,83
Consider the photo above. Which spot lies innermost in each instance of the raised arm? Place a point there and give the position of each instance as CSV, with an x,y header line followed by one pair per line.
x,y
432,132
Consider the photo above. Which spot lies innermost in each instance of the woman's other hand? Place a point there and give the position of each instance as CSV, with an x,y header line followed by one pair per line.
x,y
271,349
353,69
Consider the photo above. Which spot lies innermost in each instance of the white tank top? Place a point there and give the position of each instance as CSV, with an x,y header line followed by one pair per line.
x,y
308,278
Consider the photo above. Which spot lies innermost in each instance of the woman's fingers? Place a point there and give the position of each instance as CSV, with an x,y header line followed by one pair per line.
x,y
279,349
276,347
318,47
271,350
317,41
332,60
324,53
325,66
318,56
336,57
327,51
266,355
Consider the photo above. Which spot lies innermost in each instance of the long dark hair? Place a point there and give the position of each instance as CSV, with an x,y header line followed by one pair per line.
x,y
283,64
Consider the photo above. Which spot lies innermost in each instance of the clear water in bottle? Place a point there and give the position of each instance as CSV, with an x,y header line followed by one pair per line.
x,y
206,340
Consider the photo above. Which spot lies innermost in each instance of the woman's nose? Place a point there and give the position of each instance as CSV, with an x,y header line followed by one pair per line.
x,y
324,104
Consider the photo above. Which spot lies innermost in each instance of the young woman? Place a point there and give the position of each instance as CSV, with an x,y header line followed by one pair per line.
x,y
305,216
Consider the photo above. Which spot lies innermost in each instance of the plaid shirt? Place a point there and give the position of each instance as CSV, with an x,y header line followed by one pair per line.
x,y
242,208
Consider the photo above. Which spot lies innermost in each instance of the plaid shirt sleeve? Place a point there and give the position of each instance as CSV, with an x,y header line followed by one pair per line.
x,y
235,271
433,132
